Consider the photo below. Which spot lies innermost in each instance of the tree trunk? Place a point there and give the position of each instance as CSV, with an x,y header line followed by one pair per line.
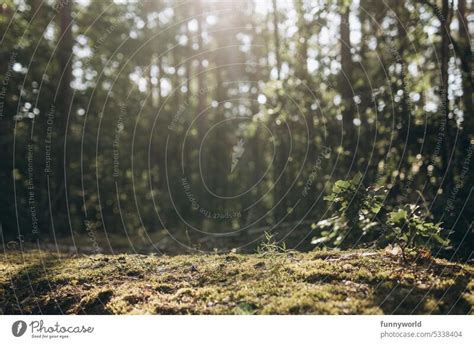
x,y
445,42
303,74
345,78
64,98
201,77
279,173
276,38
466,67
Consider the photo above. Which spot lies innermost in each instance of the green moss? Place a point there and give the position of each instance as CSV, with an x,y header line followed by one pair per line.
x,y
321,282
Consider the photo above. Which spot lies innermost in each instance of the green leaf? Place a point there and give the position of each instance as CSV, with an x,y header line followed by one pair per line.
x,y
398,217
321,240
341,185
357,178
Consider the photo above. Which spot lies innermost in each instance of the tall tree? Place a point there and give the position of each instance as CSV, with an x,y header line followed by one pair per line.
x,y
276,37
465,55
281,170
346,81
201,76
446,16
64,104
307,87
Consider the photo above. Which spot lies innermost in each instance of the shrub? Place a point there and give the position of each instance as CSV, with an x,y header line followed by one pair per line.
x,y
407,226
360,216
355,214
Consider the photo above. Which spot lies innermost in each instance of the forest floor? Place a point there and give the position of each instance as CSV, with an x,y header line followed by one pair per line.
x,y
319,282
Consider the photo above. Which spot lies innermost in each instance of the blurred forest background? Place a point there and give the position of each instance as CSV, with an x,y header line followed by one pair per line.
x,y
172,125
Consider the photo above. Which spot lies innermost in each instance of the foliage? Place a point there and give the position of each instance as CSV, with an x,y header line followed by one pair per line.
x,y
355,216
408,226
362,216
273,83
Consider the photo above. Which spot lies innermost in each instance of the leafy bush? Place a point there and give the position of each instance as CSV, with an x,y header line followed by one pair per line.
x,y
355,215
407,226
360,216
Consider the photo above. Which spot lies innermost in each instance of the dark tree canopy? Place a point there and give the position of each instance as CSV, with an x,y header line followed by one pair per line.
x,y
202,124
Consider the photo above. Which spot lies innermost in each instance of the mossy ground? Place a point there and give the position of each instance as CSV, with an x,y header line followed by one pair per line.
x,y
320,282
